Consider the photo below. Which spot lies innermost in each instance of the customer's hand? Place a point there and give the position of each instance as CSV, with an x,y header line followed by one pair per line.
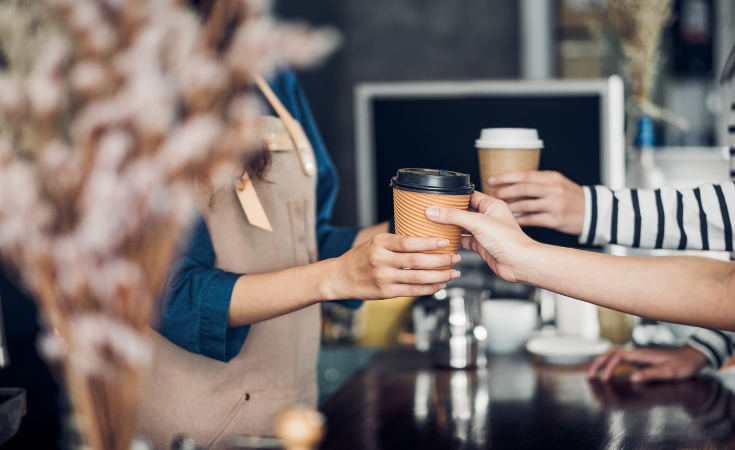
x,y
376,269
556,202
496,236
659,364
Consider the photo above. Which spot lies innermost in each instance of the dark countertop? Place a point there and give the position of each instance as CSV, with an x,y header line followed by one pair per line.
x,y
401,402
337,365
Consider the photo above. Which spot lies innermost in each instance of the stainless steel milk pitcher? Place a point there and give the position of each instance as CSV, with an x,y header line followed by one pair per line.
x,y
448,325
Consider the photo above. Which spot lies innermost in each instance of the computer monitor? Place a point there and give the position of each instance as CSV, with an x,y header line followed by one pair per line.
x,y
435,124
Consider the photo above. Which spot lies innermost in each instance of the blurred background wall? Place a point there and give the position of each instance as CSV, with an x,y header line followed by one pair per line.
x,y
399,40
412,40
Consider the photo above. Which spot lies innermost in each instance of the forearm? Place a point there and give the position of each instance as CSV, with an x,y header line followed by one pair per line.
x,y
696,291
260,297
372,270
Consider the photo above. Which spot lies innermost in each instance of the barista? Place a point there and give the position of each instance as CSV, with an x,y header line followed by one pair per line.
x,y
240,331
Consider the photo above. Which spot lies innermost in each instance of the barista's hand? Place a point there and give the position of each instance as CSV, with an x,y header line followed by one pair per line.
x,y
376,269
496,236
556,202
660,364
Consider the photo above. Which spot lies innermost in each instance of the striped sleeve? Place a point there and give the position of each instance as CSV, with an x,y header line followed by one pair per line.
x,y
731,139
694,219
716,345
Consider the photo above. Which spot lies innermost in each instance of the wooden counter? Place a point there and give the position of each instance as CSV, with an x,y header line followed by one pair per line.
x,y
401,402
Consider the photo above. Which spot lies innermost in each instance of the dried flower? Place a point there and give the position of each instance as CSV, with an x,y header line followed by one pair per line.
x,y
125,102
638,24
89,78
101,343
12,97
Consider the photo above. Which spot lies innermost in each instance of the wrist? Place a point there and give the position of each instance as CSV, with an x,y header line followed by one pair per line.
x,y
522,264
694,356
329,280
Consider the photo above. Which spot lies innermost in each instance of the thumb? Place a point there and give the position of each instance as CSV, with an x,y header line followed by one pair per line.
x,y
662,372
470,221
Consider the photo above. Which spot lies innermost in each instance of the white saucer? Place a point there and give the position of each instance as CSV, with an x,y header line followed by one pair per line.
x,y
567,349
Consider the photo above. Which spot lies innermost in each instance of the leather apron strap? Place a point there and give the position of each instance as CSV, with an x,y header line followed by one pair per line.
x,y
244,186
303,146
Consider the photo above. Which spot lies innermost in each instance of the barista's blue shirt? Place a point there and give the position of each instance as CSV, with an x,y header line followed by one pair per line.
x,y
197,297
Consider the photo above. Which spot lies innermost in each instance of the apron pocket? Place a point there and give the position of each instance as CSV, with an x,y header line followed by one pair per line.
x,y
222,430
259,409
303,254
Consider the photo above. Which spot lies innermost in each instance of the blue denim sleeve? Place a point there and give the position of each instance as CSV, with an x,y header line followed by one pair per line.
x,y
197,301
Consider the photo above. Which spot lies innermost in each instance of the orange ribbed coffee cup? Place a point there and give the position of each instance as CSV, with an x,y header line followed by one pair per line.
x,y
503,150
414,190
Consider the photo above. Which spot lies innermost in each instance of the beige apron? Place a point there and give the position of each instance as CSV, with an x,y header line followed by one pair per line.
x,y
209,399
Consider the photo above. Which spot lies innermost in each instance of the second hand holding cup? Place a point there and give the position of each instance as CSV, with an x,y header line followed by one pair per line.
x,y
414,190
503,150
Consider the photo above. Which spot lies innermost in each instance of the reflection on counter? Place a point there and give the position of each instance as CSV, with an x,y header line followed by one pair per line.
x,y
337,365
402,401
449,327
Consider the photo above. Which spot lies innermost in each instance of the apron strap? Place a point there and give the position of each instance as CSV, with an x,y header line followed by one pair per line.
x,y
303,146
250,203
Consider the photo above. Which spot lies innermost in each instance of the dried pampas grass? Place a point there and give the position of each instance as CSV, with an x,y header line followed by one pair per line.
x,y
639,24
108,109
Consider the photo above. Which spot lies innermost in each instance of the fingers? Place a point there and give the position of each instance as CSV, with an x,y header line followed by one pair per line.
x,y
523,190
529,206
474,223
660,365
409,244
600,362
660,372
545,220
417,290
470,243
481,203
468,220
425,277
612,363
645,356
527,176
467,242
424,261
523,176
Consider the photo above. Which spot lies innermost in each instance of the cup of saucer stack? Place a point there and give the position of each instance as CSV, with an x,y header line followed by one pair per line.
x,y
414,190
503,150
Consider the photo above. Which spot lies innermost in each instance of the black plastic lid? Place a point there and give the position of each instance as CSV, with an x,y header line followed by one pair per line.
x,y
430,181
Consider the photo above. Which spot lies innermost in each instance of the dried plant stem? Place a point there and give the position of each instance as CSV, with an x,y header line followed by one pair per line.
x,y
639,24
108,110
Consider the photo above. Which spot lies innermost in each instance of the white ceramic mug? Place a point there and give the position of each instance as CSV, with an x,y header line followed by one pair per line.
x,y
509,324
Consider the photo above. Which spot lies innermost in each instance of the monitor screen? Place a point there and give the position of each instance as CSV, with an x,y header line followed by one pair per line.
x,y
440,133
435,124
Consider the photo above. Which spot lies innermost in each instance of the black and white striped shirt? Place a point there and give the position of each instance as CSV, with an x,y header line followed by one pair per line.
x,y
696,219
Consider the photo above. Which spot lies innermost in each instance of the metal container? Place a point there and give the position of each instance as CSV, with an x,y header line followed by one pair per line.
x,y
4,355
448,325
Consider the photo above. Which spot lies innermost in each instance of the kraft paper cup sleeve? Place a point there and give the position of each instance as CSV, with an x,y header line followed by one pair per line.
x,y
497,161
410,216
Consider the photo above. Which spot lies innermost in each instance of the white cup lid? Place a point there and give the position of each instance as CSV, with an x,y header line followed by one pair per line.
x,y
509,138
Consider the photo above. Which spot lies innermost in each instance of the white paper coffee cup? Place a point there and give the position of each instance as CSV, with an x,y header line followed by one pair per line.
x,y
503,150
